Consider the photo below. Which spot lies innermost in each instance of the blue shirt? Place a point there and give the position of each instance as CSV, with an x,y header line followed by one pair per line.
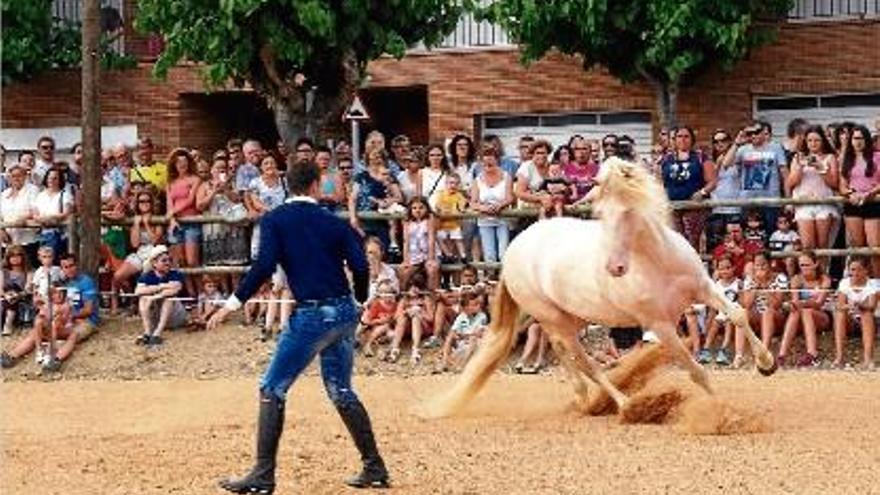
x,y
80,290
153,278
682,178
312,246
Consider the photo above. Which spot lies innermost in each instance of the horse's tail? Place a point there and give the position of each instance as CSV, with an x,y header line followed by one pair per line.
x,y
494,349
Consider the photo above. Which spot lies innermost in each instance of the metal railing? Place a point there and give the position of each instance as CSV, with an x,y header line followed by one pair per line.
x,y
833,10
583,211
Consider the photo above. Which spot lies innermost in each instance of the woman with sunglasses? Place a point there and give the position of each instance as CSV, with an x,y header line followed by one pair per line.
x,y
143,235
726,187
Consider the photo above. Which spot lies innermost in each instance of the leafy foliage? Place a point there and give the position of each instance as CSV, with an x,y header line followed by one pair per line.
x,y
34,42
663,40
268,43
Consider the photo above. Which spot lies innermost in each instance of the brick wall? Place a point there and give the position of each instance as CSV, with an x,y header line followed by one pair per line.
x,y
807,59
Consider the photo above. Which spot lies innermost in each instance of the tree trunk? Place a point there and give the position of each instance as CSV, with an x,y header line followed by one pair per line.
x,y
290,119
90,217
308,111
667,103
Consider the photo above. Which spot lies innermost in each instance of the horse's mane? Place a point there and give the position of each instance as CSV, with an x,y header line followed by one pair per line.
x,y
630,185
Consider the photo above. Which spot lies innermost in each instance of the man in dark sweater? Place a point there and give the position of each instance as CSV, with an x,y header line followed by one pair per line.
x,y
312,246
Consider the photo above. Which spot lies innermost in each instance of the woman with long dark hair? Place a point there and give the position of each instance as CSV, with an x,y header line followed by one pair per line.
x,y
860,183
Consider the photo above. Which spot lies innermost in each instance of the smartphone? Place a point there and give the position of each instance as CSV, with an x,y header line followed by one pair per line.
x,y
223,177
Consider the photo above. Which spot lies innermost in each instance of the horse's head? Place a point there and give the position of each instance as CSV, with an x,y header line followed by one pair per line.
x,y
629,201
623,185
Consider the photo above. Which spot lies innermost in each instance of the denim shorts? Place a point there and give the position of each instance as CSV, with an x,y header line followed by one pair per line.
x,y
188,233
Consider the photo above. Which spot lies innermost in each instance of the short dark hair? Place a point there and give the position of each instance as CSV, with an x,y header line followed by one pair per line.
x,y
323,149
67,257
304,140
301,176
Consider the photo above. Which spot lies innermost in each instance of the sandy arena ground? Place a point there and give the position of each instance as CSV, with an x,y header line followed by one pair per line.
x,y
180,435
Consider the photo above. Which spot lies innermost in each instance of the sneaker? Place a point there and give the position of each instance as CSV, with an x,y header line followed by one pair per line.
x,y
432,343
142,340
154,341
6,361
722,358
7,331
704,356
52,365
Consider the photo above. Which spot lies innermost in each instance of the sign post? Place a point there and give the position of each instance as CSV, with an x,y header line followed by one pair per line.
x,y
355,114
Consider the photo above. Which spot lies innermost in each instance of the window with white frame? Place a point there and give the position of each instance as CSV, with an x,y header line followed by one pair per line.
x,y
833,10
861,108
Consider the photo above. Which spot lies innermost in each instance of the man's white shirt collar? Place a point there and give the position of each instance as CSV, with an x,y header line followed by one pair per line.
x,y
301,199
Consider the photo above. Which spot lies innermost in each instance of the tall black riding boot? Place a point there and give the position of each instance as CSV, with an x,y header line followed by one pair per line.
x,y
261,479
374,474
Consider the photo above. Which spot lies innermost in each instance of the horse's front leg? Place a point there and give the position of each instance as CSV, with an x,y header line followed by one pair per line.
x,y
669,338
740,318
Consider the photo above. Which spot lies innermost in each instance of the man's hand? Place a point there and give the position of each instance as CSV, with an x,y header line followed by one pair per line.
x,y
217,318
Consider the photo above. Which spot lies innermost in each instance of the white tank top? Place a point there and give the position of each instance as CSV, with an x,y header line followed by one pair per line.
x,y
491,195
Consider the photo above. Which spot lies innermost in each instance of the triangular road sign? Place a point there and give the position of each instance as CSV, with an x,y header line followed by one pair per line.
x,y
356,111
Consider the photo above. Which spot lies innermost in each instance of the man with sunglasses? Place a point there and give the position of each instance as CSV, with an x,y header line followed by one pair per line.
x,y
313,247
761,163
44,160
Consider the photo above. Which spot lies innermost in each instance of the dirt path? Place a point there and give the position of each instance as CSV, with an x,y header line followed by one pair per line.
x,y
181,435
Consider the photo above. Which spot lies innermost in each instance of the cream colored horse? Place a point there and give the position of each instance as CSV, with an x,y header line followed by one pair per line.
x,y
629,268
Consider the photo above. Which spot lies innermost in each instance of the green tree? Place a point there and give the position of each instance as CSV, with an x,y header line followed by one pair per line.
x,y
663,42
307,57
34,42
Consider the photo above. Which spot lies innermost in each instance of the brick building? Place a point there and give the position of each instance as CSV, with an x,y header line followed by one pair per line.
x,y
825,65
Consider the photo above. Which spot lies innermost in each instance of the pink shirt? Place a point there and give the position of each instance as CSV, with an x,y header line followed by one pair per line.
x,y
581,176
857,178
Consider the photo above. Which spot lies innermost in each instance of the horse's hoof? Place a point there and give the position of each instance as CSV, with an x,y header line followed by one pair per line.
x,y
769,371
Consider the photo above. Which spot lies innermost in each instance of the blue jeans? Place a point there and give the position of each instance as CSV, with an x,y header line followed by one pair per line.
x,y
323,327
494,239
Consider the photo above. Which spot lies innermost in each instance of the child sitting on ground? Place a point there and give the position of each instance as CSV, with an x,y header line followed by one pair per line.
x,y
727,281
209,302
466,331
376,322
451,201
560,189
58,319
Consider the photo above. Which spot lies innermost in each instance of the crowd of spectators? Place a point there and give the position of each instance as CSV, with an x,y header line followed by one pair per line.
x,y
415,299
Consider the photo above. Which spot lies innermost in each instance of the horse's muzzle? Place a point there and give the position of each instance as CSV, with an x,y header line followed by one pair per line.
x,y
616,269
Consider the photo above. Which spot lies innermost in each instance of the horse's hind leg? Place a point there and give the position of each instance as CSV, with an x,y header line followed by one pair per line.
x,y
680,354
587,365
581,388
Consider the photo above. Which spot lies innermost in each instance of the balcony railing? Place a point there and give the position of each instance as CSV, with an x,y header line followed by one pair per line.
x,y
834,10
473,34
112,19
